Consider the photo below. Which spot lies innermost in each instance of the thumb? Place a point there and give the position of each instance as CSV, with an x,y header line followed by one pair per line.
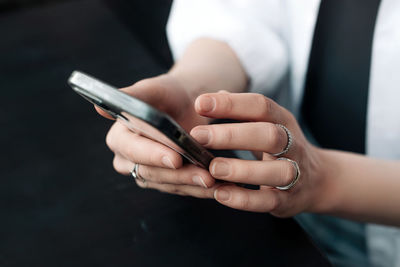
x,y
163,92
151,90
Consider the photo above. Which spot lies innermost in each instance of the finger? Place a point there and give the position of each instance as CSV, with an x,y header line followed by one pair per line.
x,y
103,113
140,149
263,200
122,165
182,190
244,107
157,92
270,173
266,137
151,91
187,175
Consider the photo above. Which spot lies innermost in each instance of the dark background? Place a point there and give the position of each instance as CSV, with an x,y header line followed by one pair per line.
x,y
61,203
12,5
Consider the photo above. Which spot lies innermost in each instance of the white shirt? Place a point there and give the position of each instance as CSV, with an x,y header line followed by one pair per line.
x,y
272,38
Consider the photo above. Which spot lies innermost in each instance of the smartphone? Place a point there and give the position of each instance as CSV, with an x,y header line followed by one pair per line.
x,y
140,117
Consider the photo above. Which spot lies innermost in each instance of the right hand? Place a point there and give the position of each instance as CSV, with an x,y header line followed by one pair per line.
x,y
160,166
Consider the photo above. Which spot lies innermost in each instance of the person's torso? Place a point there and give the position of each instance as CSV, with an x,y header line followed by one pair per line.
x,y
383,109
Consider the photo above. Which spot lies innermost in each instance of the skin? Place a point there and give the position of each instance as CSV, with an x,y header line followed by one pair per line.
x,y
209,82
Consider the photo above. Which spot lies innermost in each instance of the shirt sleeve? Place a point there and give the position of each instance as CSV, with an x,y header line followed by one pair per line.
x,y
253,29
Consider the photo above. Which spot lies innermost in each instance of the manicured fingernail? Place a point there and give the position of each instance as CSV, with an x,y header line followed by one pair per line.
x,y
220,169
199,181
202,136
207,103
167,162
222,195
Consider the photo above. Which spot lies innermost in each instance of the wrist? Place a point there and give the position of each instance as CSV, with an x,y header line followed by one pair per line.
x,y
208,66
325,182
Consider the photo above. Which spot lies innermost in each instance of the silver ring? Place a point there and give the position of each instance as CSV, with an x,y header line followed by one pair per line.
x,y
135,174
289,142
296,177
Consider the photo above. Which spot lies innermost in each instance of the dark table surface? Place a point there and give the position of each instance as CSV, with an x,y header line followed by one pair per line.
x,y
61,202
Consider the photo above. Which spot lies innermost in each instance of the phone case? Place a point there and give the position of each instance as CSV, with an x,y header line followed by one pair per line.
x,y
140,117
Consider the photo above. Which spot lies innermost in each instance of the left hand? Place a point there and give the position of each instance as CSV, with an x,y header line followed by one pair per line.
x,y
260,133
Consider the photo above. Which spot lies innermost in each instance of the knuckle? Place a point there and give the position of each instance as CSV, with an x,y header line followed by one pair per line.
x,y
274,203
146,173
117,165
110,140
289,115
131,154
228,103
260,98
266,105
287,173
242,171
159,188
228,136
141,185
184,178
251,172
243,201
274,135
173,189
174,177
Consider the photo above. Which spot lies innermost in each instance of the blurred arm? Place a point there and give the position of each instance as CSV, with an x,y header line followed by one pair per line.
x,y
209,66
360,188
252,33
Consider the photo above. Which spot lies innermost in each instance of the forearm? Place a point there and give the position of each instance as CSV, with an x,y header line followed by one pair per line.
x,y
360,188
209,66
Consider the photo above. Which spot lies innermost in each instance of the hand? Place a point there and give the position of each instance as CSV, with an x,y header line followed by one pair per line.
x,y
159,165
260,133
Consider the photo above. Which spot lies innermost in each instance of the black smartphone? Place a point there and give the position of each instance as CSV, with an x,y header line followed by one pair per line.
x,y
140,117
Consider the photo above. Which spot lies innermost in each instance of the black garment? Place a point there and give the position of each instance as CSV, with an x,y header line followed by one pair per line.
x,y
336,94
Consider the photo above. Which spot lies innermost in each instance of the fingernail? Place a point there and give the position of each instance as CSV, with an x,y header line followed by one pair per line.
x,y
222,195
202,136
167,162
199,181
220,169
207,103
